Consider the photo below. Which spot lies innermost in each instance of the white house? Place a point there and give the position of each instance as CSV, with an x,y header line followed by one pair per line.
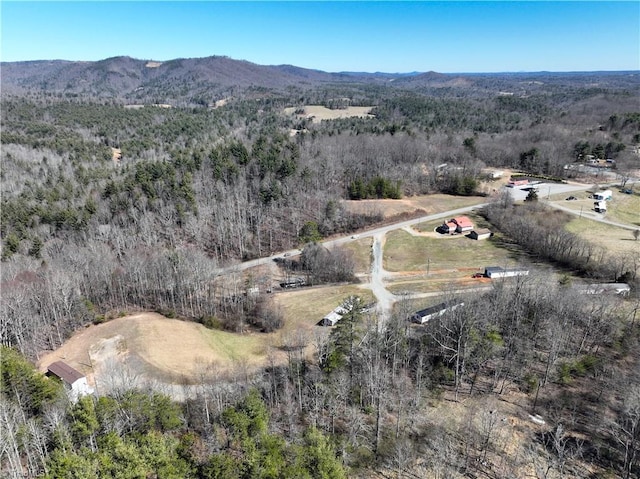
x,y
426,314
622,289
334,316
73,380
605,195
498,272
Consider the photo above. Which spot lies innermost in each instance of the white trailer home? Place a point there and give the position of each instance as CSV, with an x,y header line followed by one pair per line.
x,y
498,272
605,195
424,315
600,206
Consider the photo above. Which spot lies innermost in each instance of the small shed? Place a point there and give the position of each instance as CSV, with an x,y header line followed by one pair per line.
x,y
73,380
480,234
424,315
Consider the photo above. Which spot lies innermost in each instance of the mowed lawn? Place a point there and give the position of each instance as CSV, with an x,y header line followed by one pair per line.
x,y
361,253
304,308
404,252
624,209
611,238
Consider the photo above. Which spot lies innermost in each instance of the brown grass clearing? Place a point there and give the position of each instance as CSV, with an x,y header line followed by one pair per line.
x,y
404,252
116,155
422,205
361,254
305,307
611,238
318,112
162,348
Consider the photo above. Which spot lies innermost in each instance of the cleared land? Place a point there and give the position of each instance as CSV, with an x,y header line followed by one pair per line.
x,y
405,252
304,308
423,205
361,251
175,352
317,113
612,239
166,349
416,261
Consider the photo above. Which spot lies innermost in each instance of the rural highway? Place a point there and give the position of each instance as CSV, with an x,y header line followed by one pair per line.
x,y
347,239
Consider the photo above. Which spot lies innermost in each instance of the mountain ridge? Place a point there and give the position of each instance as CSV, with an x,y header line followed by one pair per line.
x,y
128,78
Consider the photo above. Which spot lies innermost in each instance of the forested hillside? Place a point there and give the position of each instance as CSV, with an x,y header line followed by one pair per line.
x,y
130,187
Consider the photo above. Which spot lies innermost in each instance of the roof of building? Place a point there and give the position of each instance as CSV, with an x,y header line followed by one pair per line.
x,y
436,309
493,269
619,288
65,372
482,231
463,221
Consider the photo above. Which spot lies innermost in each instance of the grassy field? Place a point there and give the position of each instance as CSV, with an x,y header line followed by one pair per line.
x,y
621,209
404,252
424,204
303,308
361,251
613,239
319,112
176,351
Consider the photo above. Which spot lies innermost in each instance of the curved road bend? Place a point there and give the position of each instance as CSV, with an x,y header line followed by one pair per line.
x,y
346,239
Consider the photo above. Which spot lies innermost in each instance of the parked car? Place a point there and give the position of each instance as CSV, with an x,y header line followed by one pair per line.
x,y
571,198
478,275
627,191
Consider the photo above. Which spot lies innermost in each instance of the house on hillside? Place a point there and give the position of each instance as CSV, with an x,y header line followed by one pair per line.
x,y
75,383
480,234
463,224
424,315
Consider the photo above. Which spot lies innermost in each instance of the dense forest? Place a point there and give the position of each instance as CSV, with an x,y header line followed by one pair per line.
x,y
123,198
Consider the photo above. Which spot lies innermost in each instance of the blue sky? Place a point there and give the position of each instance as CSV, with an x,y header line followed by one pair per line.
x,y
400,36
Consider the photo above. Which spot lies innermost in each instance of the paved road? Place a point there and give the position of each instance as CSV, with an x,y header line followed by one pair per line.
x,y
545,190
592,215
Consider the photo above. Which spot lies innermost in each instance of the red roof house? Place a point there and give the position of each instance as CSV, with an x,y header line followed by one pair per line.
x,y
462,224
